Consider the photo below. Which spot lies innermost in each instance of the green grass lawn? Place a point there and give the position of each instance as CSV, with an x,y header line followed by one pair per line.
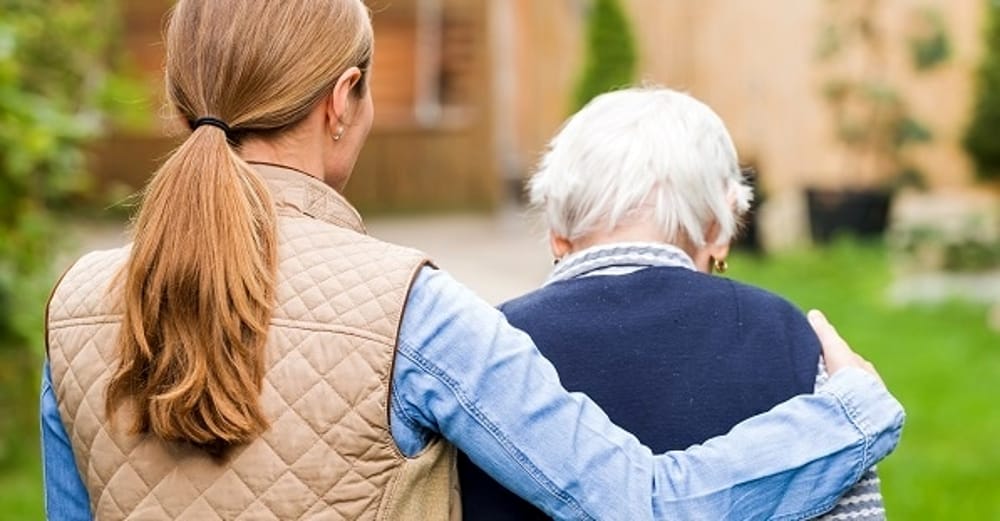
x,y
941,361
21,492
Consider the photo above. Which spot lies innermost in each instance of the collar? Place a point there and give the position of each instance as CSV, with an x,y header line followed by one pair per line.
x,y
297,192
619,258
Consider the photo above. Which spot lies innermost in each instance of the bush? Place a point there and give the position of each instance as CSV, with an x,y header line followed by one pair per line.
x,y
610,61
981,137
54,97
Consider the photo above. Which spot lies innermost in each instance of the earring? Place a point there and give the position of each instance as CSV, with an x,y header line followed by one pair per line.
x,y
555,262
339,134
720,265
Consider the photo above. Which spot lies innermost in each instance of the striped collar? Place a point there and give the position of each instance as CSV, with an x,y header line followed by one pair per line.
x,y
619,259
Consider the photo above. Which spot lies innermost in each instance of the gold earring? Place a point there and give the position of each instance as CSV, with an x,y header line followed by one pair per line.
x,y
339,134
720,265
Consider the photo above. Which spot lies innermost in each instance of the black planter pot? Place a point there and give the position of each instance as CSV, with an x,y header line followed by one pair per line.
x,y
749,239
861,213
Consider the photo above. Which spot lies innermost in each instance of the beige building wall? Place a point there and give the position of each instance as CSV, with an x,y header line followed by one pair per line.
x,y
753,61
537,54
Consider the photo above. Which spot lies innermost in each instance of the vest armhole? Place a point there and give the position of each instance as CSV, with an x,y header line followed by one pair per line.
x,y
424,262
48,302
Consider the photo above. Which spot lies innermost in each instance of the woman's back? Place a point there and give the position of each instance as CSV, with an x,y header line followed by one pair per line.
x,y
329,358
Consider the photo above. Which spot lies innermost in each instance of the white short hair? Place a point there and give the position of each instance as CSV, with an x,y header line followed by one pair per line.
x,y
642,153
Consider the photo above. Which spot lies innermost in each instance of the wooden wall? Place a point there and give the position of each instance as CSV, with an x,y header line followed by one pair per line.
x,y
408,163
754,62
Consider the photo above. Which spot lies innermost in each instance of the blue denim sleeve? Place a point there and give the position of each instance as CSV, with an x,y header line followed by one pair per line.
x,y
66,498
463,372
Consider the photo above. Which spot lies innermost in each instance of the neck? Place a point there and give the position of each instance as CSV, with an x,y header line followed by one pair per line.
x,y
629,233
260,151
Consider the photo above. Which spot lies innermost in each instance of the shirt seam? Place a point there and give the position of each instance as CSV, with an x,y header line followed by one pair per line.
x,y
405,417
853,416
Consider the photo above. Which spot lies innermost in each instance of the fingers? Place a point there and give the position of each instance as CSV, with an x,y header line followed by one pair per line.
x,y
836,353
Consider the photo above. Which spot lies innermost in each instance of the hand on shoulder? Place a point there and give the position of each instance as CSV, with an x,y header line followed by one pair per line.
x,y
836,353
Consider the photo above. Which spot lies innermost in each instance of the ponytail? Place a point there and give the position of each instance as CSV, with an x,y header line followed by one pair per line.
x,y
199,290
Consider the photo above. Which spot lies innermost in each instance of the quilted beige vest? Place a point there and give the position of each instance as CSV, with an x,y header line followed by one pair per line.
x,y
329,453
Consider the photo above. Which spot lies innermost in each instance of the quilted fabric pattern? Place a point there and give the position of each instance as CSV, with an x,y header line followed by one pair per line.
x,y
329,453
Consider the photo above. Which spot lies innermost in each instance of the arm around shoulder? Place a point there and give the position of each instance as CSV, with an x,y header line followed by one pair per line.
x,y
464,373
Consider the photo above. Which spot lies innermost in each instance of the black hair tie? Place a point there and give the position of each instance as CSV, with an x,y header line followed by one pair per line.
x,y
213,122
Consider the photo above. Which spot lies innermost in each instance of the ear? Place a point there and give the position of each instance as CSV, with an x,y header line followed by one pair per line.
x,y
560,246
341,103
711,251
718,251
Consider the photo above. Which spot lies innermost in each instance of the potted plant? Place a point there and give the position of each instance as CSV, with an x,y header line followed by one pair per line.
x,y
749,238
940,255
872,122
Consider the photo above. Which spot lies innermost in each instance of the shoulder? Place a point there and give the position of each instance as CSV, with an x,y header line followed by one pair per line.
x,y
771,318
759,306
548,298
97,263
305,243
759,301
82,288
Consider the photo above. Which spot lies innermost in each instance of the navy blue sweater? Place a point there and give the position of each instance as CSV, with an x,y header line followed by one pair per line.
x,y
672,355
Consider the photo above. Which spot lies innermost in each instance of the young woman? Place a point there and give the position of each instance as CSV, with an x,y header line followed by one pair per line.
x,y
255,355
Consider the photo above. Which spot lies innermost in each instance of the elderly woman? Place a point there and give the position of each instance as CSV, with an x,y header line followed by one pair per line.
x,y
642,193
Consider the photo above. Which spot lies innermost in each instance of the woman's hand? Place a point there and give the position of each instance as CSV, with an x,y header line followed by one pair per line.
x,y
836,353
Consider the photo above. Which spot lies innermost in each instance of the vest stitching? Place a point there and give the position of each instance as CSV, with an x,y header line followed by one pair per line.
x,y
62,323
287,323
351,407
318,327
390,463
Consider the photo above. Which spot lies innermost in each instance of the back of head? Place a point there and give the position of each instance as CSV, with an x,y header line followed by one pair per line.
x,y
199,285
642,153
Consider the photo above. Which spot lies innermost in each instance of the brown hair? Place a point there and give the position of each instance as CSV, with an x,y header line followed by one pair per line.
x,y
199,285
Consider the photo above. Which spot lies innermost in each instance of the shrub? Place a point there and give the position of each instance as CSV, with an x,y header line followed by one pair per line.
x,y
981,137
54,96
610,59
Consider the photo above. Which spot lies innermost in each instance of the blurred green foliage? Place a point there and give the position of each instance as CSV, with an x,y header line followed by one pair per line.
x,y
610,60
981,137
931,45
56,94
969,249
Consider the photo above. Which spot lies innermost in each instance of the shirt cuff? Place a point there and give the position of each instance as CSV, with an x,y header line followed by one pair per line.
x,y
871,408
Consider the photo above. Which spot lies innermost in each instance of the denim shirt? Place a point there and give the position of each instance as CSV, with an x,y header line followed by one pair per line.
x,y
464,373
